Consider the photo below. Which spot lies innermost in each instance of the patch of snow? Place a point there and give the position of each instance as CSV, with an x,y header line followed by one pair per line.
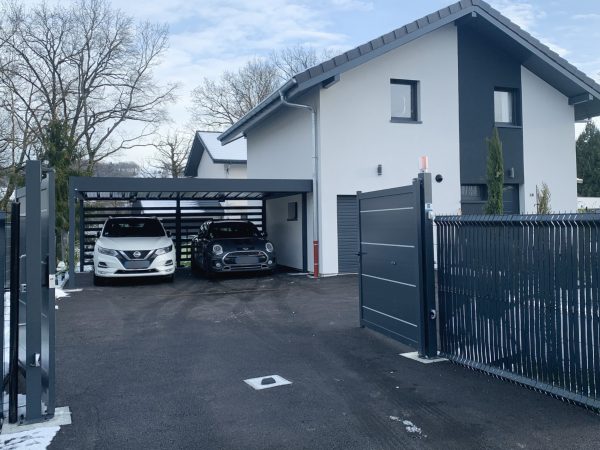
x,y
62,293
410,427
38,439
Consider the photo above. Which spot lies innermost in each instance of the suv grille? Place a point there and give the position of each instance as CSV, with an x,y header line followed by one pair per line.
x,y
137,254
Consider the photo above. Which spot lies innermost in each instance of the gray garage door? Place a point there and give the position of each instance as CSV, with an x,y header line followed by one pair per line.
x,y
347,223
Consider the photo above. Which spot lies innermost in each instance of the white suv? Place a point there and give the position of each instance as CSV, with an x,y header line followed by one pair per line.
x,y
133,247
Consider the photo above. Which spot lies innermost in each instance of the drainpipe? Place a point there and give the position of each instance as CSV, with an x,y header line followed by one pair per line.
x,y
315,178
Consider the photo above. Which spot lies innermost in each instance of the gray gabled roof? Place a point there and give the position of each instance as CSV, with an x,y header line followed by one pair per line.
x,y
539,58
206,142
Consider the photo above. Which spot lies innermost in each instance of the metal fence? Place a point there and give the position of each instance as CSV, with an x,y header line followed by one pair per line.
x,y
519,298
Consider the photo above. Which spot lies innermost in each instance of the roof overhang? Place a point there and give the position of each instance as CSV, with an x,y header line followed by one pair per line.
x,y
221,189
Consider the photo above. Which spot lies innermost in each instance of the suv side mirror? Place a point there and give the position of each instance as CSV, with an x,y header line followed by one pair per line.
x,y
98,233
169,234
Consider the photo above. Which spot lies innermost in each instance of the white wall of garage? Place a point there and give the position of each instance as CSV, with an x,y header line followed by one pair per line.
x,y
285,235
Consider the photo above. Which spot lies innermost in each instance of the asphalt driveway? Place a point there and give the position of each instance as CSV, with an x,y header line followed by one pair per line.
x,y
153,365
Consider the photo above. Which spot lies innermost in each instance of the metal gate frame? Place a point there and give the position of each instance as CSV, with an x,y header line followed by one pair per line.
x,y
33,353
421,189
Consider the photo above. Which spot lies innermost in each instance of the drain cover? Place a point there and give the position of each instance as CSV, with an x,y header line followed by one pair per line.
x,y
266,382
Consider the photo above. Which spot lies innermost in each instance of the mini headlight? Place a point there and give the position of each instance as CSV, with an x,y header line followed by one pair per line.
x,y
269,247
217,249
162,251
107,251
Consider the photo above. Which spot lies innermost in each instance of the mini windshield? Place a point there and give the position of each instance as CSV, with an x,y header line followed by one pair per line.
x,y
226,230
133,228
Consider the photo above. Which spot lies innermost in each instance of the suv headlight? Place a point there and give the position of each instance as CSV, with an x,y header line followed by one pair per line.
x,y
269,247
107,251
217,249
162,251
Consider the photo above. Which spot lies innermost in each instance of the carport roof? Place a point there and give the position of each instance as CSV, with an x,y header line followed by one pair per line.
x,y
116,188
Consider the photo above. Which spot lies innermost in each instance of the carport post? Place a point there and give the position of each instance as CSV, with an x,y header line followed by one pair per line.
x,y
178,231
263,216
81,236
304,235
71,234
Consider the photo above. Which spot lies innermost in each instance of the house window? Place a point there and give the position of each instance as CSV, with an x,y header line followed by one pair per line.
x,y
506,109
292,211
404,99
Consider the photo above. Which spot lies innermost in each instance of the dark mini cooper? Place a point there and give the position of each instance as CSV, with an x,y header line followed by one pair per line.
x,y
232,246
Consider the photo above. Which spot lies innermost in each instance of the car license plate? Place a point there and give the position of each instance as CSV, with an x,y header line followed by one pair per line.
x,y
136,264
246,260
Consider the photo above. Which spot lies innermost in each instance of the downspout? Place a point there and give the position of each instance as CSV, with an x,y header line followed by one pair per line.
x,y
315,178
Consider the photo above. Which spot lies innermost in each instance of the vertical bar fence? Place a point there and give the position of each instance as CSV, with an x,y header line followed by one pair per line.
x,y
519,299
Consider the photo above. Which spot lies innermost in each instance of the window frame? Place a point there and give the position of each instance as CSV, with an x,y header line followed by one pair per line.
x,y
515,107
415,109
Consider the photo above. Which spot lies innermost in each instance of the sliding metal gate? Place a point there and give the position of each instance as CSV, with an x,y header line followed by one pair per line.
x,y
396,264
33,263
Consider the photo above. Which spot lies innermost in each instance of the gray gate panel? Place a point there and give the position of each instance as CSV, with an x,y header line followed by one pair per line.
x,y
396,227
381,291
347,226
395,263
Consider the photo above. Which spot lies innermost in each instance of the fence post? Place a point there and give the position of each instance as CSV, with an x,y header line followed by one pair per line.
x,y
427,273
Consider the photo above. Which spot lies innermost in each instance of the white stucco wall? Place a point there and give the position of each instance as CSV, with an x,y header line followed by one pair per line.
x,y
286,236
208,169
356,133
282,147
548,144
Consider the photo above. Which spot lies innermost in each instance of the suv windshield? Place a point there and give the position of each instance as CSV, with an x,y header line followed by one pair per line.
x,y
226,230
133,228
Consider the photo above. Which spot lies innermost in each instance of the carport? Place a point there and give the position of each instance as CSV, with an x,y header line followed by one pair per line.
x,y
182,204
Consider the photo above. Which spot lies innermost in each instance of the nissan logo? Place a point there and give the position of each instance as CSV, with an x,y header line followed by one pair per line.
x,y
136,254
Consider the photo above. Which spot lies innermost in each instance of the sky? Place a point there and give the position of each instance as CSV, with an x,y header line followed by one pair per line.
x,y
210,36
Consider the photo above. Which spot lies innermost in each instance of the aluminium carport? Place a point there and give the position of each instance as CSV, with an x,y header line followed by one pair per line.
x,y
181,203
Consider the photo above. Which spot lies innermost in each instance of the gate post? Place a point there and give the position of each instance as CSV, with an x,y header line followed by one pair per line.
x,y
423,186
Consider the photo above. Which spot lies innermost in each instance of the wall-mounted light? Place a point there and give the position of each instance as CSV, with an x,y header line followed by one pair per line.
x,y
379,169
511,172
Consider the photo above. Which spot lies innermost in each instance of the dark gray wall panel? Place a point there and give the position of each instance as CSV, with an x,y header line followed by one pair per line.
x,y
347,225
483,66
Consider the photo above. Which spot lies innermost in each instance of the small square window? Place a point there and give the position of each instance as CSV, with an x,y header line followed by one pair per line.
x,y
404,100
292,211
505,106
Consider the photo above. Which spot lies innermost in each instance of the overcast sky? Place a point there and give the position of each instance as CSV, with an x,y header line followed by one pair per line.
x,y
209,36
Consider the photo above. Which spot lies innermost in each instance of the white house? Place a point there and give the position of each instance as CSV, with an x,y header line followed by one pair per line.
x,y
209,159
434,87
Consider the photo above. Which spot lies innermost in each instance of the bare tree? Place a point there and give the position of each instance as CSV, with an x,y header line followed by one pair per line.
x,y
169,158
293,60
86,65
218,104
